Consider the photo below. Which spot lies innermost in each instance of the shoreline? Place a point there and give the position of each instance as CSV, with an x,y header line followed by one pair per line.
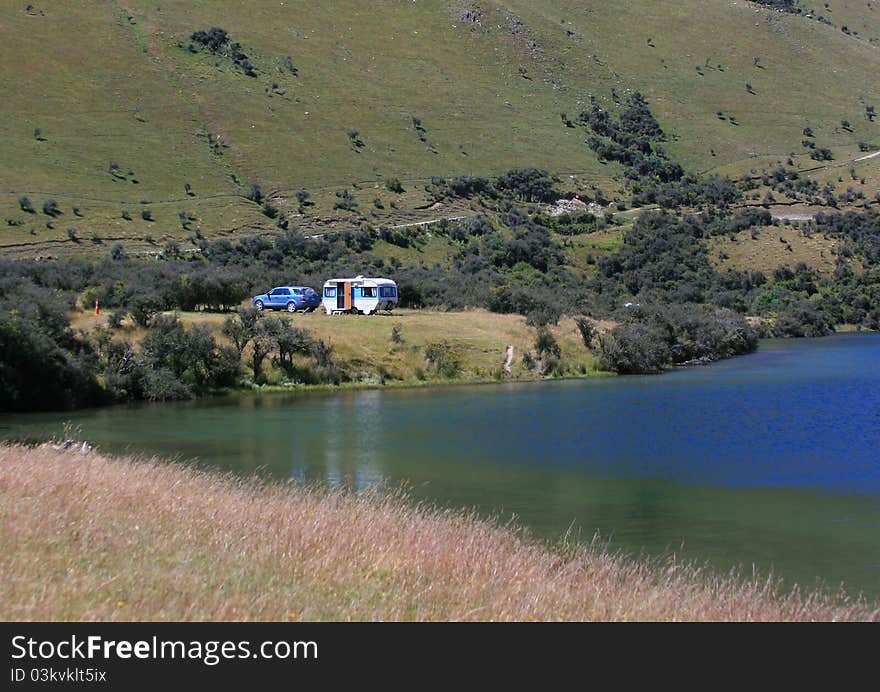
x,y
405,384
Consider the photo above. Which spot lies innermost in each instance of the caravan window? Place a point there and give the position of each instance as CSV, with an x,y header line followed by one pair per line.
x,y
330,292
368,292
387,292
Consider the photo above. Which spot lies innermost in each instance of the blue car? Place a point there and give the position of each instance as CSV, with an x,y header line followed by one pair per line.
x,y
290,298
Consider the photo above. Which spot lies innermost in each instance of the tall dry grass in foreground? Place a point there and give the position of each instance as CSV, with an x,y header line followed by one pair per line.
x,y
87,537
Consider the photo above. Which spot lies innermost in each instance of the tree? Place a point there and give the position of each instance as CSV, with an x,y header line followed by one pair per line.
x,y
143,307
43,364
587,330
241,327
527,184
291,341
263,342
255,194
546,344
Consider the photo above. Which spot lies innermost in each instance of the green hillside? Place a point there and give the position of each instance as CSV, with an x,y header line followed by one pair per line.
x,y
107,109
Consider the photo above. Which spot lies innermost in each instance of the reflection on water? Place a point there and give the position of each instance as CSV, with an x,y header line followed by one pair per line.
x,y
348,447
768,459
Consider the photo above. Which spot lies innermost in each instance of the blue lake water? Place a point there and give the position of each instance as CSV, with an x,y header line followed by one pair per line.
x,y
770,460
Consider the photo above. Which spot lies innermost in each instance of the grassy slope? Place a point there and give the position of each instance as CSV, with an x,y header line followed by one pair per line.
x,y
488,95
774,246
88,537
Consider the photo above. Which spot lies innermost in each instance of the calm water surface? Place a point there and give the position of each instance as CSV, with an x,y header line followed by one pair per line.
x,y
769,460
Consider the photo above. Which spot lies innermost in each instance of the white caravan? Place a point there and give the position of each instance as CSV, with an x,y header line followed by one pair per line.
x,y
360,295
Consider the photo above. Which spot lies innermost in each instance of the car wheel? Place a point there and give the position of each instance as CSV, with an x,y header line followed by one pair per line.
x,y
291,306
259,305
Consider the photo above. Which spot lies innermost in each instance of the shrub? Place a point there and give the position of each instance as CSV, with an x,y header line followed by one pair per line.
x,y
43,364
527,184
213,39
171,249
675,334
800,319
25,204
225,368
586,329
443,359
546,344
396,334
287,64
163,385
117,252
302,198
50,208
114,319
345,201
633,349
143,307
147,215
394,185
255,194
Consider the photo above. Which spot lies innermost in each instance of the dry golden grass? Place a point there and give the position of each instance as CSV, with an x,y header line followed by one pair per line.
x,y
771,249
87,537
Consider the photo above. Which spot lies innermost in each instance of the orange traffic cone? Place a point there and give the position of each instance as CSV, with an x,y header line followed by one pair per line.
x,y
97,310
